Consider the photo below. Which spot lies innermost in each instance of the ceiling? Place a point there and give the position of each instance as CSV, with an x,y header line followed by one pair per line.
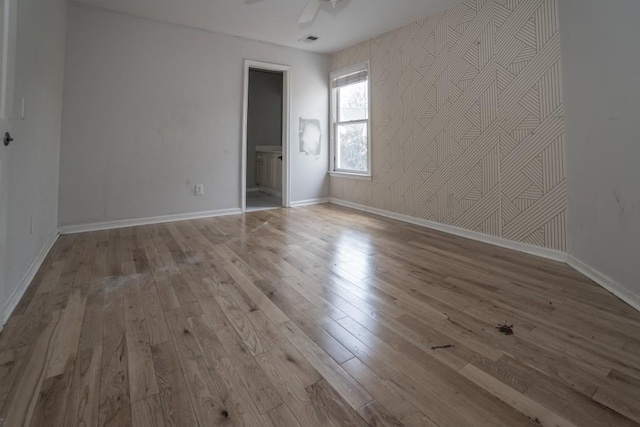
x,y
276,21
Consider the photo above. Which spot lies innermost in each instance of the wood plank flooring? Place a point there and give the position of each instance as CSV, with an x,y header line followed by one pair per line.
x,y
312,316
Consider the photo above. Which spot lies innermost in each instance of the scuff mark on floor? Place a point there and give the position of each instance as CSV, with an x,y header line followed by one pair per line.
x,y
505,329
437,347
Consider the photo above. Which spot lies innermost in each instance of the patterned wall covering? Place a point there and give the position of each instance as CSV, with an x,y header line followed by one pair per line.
x,y
467,121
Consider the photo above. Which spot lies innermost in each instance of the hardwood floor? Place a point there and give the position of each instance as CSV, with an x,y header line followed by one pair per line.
x,y
257,201
312,316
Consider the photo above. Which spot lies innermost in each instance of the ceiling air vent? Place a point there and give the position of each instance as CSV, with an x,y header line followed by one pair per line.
x,y
309,39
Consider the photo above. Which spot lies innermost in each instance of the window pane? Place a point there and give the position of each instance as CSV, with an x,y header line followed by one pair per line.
x,y
353,102
352,147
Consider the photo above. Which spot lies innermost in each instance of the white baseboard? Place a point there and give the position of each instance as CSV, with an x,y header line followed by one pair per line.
x,y
310,202
474,235
108,225
607,283
28,276
272,191
602,280
253,190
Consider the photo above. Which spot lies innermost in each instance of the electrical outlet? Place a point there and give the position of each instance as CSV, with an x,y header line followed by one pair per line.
x,y
199,189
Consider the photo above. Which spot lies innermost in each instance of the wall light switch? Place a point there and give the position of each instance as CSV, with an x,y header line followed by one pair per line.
x,y
199,189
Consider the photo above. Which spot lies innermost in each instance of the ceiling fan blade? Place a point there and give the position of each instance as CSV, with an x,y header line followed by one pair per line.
x,y
310,11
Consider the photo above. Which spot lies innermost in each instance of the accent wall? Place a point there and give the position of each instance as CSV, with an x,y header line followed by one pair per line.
x,y
467,121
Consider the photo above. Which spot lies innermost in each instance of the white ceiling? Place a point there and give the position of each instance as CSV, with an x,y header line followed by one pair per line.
x,y
276,21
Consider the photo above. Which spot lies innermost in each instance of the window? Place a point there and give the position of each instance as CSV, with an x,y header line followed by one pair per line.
x,y
350,140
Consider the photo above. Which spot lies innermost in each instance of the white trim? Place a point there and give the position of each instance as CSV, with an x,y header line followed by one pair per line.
x,y
287,147
264,208
108,225
350,175
272,191
605,282
286,132
615,288
24,283
8,60
310,202
474,235
253,190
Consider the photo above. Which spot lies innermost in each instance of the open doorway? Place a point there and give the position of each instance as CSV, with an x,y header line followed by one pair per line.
x,y
265,142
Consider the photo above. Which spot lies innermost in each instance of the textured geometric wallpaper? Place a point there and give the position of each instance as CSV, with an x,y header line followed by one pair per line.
x,y
467,121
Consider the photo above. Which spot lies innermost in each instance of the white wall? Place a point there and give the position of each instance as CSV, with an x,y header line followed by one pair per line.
x,y
151,109
264,123
601,87
30,168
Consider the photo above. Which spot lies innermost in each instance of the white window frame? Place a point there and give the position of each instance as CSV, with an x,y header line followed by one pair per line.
x,y
333,98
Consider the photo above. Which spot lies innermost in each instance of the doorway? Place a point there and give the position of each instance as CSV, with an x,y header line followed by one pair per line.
x,y
265,146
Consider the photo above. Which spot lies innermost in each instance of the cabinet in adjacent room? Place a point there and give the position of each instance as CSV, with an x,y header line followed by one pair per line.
x,y
269,169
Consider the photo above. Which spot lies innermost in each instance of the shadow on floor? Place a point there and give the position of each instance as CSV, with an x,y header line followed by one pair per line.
x,y
257,200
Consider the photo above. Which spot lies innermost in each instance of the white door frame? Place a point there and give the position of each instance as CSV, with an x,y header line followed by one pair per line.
x,y
286,102
8,37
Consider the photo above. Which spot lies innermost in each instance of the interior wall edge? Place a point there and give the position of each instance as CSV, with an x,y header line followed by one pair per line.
x,y
605,282
602,105
600,279
462,232
31,167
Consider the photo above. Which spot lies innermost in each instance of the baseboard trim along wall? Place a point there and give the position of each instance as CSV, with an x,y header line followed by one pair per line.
x,y
615,288
605,282
18,292
108,225
602,280
310,202
272,191
497,241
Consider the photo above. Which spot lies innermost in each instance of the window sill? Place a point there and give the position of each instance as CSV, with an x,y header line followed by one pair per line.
x,y
350,175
